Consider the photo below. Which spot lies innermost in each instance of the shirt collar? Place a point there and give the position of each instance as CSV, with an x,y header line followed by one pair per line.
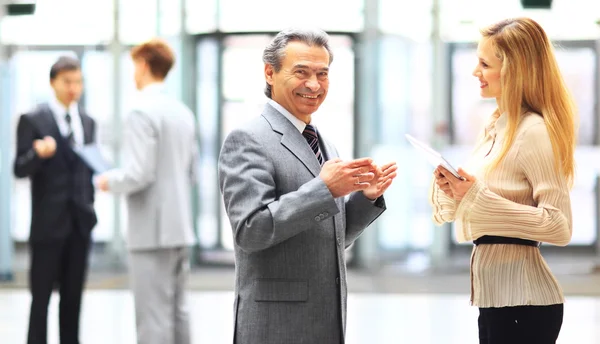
x,y
60,110
300,125
497,123
155,87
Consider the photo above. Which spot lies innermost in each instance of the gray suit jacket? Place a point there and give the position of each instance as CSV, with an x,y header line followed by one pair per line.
x,y
159,171
290,235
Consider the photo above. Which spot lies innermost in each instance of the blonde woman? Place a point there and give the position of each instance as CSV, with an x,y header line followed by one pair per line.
x,y
516,194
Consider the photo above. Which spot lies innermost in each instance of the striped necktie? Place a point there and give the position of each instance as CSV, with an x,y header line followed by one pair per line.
x,y
310,134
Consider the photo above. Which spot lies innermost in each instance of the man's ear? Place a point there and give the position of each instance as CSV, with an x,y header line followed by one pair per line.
x,y
269,71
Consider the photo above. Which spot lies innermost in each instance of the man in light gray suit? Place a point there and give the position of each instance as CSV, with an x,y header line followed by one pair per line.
x,y
284,190
158,175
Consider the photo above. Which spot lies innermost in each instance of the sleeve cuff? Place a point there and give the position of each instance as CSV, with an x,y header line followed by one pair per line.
x,y
32,155
378,202
465,205
112,177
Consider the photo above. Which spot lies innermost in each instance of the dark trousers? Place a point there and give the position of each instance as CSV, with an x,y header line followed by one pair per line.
x,y
62,263
520,325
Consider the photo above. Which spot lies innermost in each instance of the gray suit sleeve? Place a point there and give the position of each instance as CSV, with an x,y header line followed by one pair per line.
x,y
259,219
139,168
360,213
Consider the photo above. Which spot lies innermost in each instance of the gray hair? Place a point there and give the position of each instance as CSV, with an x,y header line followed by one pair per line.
x,y
275,51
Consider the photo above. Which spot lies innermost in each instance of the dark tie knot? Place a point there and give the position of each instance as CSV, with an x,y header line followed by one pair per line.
x,y
68,118
310,134
310,131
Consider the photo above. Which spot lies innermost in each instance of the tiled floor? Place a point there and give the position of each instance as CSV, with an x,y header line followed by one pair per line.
x,y
372,318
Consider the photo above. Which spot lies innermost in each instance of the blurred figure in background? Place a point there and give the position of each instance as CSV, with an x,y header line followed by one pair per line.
x,y
62,200
518,194
159,173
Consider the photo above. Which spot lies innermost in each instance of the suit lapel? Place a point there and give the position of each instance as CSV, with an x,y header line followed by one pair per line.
x,y
292,139
86,123
47,120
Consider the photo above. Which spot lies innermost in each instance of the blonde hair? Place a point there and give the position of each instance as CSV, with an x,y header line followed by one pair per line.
x,y
532,82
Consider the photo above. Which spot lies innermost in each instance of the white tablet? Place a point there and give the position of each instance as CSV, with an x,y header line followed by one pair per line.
x,y
435,158
92,156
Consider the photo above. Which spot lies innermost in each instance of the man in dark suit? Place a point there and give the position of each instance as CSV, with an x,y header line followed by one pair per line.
x,y
285,190
62,200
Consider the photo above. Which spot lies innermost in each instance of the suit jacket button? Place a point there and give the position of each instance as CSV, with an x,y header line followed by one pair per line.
x,y
317,218
339,241
325,214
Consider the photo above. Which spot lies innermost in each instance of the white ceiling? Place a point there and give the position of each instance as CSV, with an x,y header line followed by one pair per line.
x,y
567,19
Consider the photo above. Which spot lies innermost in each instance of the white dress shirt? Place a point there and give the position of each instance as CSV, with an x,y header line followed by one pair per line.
x,y
300,125
60,111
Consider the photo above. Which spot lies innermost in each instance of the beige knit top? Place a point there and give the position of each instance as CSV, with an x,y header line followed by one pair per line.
x,y
523,197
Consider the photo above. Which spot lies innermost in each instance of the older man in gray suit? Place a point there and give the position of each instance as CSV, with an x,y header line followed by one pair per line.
x,y
158,175
284,190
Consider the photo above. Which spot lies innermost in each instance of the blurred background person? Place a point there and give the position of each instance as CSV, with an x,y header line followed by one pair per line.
x,y
160,168
62,200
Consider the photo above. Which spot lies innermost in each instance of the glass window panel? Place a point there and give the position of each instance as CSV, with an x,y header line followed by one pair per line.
x,y
584,196
98,73
138,20
30,77
394,73
200,16
243,80
128,88
174,81
273,15
169,17
405,107
207,114
409,19
89,22
243,69
395,227
128,91
578,66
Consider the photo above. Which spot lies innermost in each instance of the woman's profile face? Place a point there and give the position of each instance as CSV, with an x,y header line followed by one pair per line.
x,y
488,70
